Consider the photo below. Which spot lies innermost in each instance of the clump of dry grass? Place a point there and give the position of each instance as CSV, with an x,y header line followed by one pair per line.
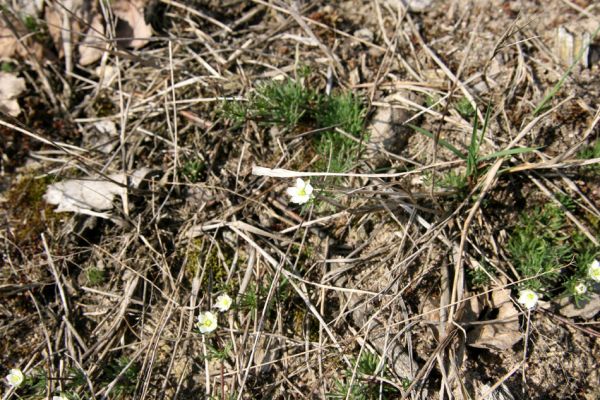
x,y
375,289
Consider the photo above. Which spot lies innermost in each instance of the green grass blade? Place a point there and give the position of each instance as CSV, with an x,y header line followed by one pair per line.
x,y
473,148
509,152
444,143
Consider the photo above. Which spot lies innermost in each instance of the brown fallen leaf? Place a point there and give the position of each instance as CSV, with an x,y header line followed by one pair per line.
x,y
52,17
499,334
131,25
91,47
9,40
10,89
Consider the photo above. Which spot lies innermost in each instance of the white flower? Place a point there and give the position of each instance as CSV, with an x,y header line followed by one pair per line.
x,y
580,288
301,193
207,322
594,271
15,378
528,298
61,397
223,302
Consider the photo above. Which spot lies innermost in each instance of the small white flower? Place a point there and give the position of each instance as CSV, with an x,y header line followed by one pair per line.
x,y
528,298
15,378
581,288
223,303
301,193
594,271
61,397
207,322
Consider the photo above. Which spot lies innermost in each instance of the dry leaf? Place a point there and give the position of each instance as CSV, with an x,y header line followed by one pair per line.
x,y
107,74
131,25
102,137
88,196
8,42
91,48
54,22
78,16
500,334
10,88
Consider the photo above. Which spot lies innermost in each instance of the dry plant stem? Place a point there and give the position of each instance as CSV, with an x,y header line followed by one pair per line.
x,y
569,153
426,368
49,362
321,25
175,131
112,384
56,276
293,10
581,10
566,321
194,11
278,266
458,283
66,40
285,173
526,340
504,378
568,213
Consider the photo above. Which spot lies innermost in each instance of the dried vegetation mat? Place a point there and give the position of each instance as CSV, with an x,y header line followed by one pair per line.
x,y
285,200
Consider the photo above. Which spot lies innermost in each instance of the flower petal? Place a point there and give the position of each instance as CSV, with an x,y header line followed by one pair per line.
x,y
292,191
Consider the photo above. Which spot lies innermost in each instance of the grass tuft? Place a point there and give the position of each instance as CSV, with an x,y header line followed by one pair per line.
x,y
272,103
364,386
548,255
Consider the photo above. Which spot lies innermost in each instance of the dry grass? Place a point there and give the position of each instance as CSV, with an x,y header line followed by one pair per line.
x,y
368,291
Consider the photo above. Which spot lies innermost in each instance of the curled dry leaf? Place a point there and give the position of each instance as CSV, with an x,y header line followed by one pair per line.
x,y
9,40
499,334
67,21
10,88
91,47
131,25
88,196
86,27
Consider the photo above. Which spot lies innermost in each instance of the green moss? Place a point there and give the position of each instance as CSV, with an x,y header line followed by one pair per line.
x,y
193,259
29,212
95,276
465,108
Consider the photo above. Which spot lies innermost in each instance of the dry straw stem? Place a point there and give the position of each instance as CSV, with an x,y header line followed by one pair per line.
x,y
378,266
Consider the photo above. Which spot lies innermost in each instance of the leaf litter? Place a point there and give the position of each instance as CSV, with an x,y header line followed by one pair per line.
x,y
394,279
